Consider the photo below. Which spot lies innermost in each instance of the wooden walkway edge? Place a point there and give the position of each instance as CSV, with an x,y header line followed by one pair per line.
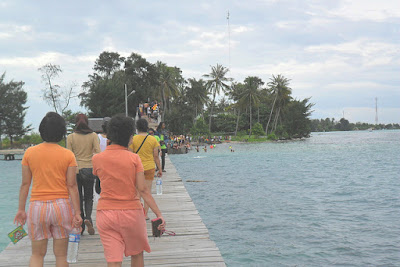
x,y
191,246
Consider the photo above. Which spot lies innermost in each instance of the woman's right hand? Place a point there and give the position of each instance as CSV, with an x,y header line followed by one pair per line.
x,y
77,220
161,227
20,217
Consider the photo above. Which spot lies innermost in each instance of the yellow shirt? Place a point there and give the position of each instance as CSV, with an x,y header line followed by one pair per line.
x,y
146,151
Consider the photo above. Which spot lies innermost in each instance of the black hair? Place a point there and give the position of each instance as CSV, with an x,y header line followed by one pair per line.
x,y
159,127
119,130
142,125
105,123
151,130
52,128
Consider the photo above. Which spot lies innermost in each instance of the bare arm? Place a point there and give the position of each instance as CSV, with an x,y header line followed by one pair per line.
x,y
157,160
146,195
69,142
73,192
20,217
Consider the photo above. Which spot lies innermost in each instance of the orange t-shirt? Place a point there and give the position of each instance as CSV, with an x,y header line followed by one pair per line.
x,y
116,168
48,163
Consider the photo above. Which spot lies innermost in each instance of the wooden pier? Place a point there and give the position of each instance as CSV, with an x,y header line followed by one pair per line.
x,y
9,154
190,247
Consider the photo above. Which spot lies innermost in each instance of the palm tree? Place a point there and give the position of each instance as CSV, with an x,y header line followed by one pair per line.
x,y
279,87
251,94
216,82
168,80
197,94
235,93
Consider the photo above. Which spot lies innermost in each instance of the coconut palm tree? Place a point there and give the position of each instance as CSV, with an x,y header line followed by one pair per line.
x,y
234,94
279,87
169,80
197,94
251,95
216,82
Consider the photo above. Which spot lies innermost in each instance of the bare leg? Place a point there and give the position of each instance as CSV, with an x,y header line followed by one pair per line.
x,y
149,184
60,248
114,264
39,249
137,260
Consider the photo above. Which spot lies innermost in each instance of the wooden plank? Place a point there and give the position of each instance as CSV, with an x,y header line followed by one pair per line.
x,y
190,247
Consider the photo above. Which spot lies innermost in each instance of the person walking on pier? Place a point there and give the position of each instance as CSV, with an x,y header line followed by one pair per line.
x,y
120,219
54,203
146,146
84,143
162,133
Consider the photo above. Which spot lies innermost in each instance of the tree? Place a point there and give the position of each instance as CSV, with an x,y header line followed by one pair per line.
x,y
53,94
235,92
216,82
12,109
251,94
108,63
103,94
258,129
296,118
197,95
168,82
279,87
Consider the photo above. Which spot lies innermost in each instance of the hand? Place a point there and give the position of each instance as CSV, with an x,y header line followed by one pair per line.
x,y
161,227
159,173
20,217
77,221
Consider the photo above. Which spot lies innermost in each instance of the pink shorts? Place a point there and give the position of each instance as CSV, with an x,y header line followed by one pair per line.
x,y
122,232
50,219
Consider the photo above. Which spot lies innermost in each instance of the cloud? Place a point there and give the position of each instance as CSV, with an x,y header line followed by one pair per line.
x,y
8,31
358,10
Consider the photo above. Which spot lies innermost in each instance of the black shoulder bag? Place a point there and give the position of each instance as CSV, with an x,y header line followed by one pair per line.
x,y
141,144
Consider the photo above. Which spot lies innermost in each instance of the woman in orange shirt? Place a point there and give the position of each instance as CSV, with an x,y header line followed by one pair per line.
x,y
51,168
120,218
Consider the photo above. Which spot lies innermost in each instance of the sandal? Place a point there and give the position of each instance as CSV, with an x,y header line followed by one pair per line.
x,y
90,228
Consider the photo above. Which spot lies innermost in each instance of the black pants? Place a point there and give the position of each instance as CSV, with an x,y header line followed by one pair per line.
x,y
85,180
163,152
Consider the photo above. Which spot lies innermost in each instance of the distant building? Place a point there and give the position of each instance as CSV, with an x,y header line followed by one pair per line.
x,y
95,124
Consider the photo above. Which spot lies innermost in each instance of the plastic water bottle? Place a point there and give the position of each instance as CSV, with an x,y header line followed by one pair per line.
x,y
159,186
73,245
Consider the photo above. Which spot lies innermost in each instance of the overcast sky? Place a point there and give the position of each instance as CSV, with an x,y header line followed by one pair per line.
x,y
342,54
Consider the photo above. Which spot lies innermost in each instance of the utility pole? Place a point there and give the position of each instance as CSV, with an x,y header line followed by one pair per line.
x,y
126,99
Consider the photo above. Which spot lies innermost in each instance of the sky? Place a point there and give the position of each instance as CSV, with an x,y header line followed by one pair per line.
x,y
343,54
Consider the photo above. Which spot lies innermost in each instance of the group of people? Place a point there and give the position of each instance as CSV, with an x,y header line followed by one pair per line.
x,y
151,110
63,180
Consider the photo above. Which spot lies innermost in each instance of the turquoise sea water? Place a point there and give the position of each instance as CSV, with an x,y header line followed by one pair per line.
x,y
330,200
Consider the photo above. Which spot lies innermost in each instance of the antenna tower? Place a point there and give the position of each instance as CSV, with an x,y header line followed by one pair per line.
x,y
229,41
376,111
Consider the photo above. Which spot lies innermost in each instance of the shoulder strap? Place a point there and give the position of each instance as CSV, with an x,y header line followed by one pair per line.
x,y
142,144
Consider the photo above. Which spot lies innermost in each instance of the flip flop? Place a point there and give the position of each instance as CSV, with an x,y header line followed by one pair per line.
x,y
90,228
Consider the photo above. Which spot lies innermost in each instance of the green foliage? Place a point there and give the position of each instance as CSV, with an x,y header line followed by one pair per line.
x,y
12,109
224,123
247,138
258,129
296,119
200,128
272,136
